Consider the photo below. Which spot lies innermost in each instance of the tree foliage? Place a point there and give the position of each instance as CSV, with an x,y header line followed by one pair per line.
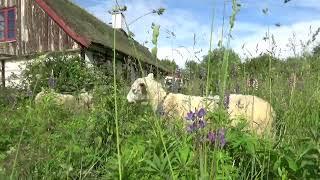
x,y
169,64
316,50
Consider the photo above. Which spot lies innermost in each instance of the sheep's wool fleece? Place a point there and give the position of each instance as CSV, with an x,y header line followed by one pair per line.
x,y
258,112
180,104
59,99
84,100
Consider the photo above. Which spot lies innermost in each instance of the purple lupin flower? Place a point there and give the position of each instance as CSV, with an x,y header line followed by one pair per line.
x,y
212,137
192,127
217,137
202,123
202,112
197,117
52,81
190,116
222,137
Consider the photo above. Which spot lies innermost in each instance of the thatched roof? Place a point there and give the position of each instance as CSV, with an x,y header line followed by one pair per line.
x,y
95,31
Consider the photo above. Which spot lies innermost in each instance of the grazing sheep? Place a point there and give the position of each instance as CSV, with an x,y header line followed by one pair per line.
x,y
83,101
59,99
258,112
149,90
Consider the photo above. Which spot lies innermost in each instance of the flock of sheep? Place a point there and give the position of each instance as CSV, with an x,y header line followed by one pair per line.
x,y
258,112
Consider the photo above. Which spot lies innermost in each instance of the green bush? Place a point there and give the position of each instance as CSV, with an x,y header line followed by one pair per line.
x,y
64,73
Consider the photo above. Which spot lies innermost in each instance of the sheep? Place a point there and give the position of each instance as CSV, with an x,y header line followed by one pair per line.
x,y
257,111
58,99
86,100
82,101
149,90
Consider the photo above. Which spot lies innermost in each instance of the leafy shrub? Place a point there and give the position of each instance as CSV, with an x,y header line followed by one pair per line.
x,y
64,73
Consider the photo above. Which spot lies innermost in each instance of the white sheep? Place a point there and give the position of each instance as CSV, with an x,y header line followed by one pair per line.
x,y
148,90
258,112
83,101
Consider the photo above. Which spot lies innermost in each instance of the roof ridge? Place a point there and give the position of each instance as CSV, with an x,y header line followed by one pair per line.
x,y
88,29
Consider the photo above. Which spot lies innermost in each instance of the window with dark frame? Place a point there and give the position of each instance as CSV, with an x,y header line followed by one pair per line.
x,y
8,24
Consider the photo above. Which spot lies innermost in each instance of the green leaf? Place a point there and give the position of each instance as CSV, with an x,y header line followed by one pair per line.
x,y
292,163
184,154
156,29
250,147
151,164
277,164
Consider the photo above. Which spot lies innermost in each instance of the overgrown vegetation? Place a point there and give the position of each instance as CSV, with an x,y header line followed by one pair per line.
x,y
49,142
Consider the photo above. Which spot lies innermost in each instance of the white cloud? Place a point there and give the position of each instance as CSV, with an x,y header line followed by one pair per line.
x,y
287,39
185,24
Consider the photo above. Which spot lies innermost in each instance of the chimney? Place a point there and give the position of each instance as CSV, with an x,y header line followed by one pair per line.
x,y
118,20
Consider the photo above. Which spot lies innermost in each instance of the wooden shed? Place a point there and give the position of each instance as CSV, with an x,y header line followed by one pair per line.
x,y
29,28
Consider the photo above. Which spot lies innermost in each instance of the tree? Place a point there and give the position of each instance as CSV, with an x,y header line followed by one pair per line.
x,y
170,64
198,72
216,56
316,50
216,71
260,65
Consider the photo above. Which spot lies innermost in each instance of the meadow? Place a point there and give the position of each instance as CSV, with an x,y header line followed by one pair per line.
x,y
117,140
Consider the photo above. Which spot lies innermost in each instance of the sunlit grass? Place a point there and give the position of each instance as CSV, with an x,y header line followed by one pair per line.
x,y
121,141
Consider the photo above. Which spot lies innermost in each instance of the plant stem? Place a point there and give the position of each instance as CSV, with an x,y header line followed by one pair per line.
x,y
209,58
18,148
115,102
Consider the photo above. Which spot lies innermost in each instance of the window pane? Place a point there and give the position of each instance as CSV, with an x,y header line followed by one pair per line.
x,y
1,35
11,14
2,26
11,34
11,25
2,16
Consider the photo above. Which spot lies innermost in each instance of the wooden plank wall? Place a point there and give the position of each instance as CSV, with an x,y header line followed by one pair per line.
x,y
36,31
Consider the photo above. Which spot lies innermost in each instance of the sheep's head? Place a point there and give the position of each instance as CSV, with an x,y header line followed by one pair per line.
x,y
138,91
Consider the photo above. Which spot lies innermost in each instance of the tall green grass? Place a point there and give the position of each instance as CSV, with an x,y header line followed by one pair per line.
x,y
121,141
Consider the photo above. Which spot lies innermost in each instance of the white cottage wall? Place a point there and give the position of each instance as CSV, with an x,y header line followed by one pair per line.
x,y
13,72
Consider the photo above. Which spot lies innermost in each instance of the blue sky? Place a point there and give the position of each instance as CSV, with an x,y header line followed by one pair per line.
x,y
187,18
